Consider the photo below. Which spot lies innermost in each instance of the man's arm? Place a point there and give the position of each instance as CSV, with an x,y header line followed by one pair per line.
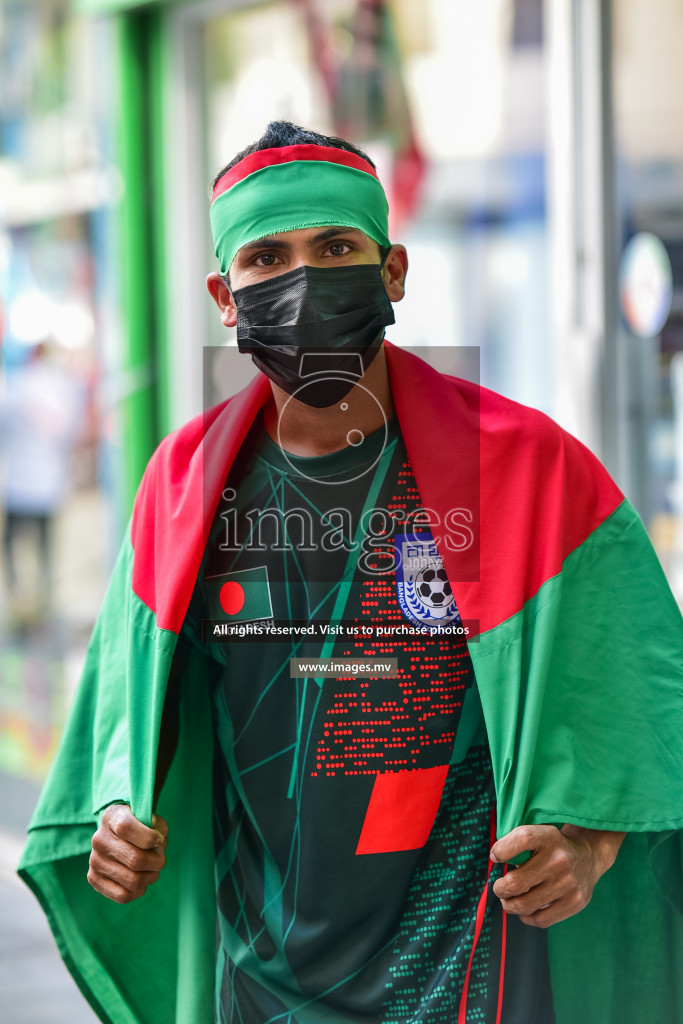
x,y
126,855
558,879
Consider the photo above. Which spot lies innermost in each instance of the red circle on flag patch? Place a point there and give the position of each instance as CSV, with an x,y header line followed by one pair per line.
x,y
232,597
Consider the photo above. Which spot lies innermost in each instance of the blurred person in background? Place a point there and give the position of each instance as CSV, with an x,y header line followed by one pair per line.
x,y
353,835
41,415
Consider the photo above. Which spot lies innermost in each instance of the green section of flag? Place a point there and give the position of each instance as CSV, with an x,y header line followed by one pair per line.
x,y
581,692
108,755
254,584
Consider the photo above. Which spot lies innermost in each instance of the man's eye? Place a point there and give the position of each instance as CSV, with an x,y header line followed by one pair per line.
x,y
265,259
339,249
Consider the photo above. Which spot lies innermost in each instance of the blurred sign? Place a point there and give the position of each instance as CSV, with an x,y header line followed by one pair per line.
x,y
109,6
645,285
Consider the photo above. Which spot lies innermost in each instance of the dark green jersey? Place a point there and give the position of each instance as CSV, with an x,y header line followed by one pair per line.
x,y
352,806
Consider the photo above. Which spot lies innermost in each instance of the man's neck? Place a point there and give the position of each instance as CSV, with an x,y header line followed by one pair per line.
x,y
304,430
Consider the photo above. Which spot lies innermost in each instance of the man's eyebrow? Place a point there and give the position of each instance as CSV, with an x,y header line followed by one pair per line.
x,y
324,236
282,245
265,243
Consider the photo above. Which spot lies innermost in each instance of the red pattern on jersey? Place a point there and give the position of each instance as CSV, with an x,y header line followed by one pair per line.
x,y
363,733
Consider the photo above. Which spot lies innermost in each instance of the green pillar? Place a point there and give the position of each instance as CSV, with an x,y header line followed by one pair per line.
x,y
141,258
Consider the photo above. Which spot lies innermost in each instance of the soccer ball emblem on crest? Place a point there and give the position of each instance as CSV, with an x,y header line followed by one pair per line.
x,y
433,587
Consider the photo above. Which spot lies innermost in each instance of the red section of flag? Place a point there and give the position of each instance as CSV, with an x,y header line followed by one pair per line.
x,y
541,492
177,500
535,492
284,155
232,597
402,809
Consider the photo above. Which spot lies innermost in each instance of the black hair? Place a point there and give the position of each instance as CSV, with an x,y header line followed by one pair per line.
x,y
284,133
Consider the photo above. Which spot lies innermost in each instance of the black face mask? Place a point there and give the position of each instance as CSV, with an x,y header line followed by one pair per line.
x,y
314,331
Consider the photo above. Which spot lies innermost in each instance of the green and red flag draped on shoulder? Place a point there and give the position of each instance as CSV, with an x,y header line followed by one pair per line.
x,y
578,660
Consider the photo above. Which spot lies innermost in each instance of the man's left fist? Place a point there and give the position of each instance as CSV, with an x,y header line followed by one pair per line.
x,y
558,879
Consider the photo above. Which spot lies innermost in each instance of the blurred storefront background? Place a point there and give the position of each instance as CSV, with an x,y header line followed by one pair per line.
x,y
524,144
58,189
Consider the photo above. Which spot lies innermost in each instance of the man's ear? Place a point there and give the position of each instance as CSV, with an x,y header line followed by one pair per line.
x,y
394,272
222,296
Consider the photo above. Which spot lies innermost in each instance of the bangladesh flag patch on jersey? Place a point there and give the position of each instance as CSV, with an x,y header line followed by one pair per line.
x,y
423,591
242,596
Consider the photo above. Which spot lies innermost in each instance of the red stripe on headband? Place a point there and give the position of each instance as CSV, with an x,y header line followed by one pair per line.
x,y
283,155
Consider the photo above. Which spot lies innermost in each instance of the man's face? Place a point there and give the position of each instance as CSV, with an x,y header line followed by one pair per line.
x,y
312,247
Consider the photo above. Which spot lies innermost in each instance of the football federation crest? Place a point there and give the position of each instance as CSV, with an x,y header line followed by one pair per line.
x,y
423,591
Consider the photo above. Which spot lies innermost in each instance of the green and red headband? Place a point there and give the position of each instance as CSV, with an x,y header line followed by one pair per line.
x,y
294,187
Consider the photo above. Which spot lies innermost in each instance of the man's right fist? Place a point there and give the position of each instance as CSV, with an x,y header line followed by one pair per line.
x,y
126,856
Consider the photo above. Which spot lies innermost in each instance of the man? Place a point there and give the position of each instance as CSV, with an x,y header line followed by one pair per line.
x,y
464,592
